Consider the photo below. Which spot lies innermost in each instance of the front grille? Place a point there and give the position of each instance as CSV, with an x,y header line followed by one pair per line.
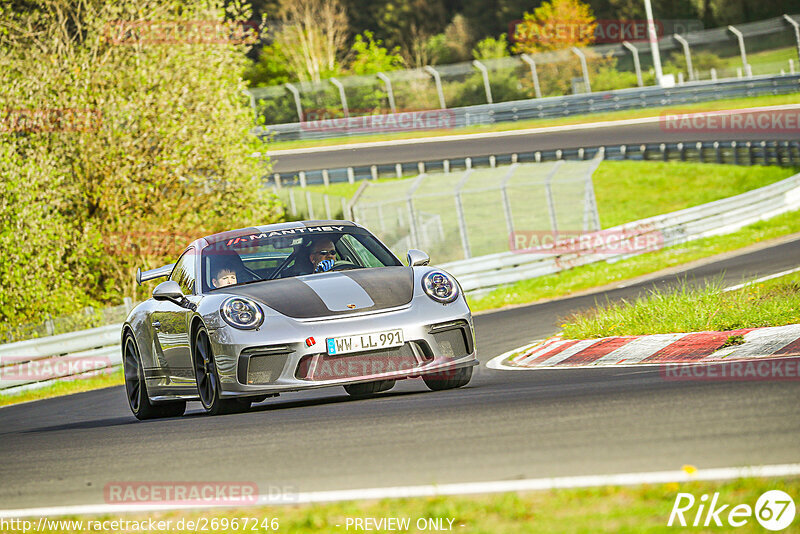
x,y
358,364
265,368
453,341
262,365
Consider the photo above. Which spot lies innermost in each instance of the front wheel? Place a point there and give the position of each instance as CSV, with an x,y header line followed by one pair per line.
x,y
450,379
368,388
136,388
208,385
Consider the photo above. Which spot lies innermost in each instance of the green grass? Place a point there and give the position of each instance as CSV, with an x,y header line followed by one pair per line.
x,y
634,509
693,309
598,274
631,190
68,387
732,103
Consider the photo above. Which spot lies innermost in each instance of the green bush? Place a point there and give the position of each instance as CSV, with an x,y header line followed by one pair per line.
x,y
116,149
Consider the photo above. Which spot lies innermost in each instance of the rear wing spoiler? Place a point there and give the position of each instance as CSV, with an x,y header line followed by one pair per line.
x,y
152,274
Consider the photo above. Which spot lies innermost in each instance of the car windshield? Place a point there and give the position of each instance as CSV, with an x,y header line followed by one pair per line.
x,y
291,252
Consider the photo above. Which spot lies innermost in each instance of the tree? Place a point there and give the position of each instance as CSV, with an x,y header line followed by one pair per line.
x,y
313,38
555,25
125,135
491,48
370,56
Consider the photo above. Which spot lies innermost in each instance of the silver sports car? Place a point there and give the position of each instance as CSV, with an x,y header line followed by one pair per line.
x,y
250,313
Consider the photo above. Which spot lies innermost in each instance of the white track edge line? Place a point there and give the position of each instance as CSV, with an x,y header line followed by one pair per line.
x,y
511,133
430,490
762,279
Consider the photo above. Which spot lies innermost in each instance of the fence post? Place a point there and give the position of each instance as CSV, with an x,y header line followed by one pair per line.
x,y
438,80
462,222
128,304
735,153
277,177
485,73
591,219
796,27
292,204
351,175
398,169
412,223
718,151
302,175
636,64
344,207
326,178
551,207
506,202
297,104
532,64
742,51
446,165
309,205
687,53
373,170
388,83
699,147
342,96
584,67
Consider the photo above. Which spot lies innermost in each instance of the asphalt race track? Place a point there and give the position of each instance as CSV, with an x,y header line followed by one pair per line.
x,y
524,142
505,425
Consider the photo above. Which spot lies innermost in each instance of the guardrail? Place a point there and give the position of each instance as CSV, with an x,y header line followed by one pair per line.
x,y
754,152
721,216
36,362
549,107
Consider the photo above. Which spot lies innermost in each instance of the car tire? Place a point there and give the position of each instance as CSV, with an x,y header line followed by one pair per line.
x,y
368,388
451,379
207,377
136,387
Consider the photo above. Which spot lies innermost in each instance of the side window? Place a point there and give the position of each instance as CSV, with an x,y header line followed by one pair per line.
x,y
183,273
367,259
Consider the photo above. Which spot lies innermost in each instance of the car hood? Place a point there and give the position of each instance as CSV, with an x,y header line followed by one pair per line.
x,y
335,293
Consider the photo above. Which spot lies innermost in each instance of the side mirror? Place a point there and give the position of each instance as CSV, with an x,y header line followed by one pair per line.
x,y
169,290
417,257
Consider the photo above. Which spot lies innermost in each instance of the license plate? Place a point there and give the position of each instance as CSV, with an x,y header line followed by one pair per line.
x,y
374,341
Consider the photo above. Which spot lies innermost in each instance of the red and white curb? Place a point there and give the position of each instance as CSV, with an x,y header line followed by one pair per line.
x,y
683,348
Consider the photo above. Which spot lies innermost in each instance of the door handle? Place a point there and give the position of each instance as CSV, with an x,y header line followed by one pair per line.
x,y
156,324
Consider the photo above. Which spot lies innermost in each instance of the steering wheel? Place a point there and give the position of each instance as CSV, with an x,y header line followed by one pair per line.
x,y
345,266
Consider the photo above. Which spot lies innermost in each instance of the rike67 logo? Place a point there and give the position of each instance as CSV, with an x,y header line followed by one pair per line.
x,y
774,510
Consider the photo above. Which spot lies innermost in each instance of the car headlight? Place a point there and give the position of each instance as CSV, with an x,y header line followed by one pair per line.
x,y
242,312
440,286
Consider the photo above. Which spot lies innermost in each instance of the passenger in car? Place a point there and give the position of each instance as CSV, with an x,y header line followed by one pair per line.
x,y
225,277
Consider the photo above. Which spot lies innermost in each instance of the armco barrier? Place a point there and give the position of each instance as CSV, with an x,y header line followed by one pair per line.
x,y
754,152
26,363
560,106
721,216
100,346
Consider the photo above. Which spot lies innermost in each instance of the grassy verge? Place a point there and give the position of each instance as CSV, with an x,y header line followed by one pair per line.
x,y
693,309
636,509
732,103
598,274
69,387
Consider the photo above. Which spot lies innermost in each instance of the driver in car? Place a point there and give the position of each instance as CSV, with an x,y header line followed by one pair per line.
x,y
322,255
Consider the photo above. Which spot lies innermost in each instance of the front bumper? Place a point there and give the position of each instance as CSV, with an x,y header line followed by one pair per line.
x,y
276,358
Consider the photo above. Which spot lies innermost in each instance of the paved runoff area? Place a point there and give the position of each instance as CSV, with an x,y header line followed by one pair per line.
x,y
750,346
